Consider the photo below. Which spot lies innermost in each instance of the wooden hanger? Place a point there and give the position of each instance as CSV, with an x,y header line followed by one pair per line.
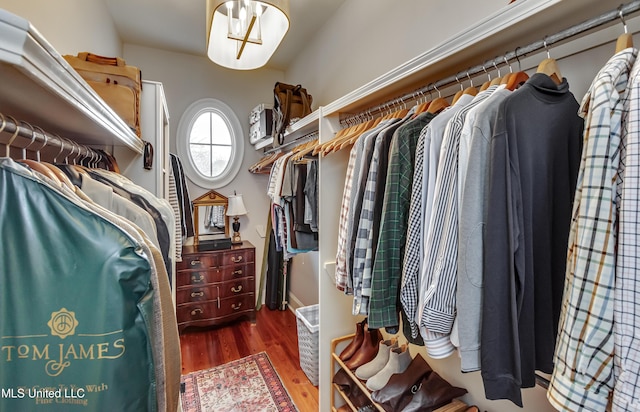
x,y
305,149
320,148
625,40
437,105
61,177
550,67
355,131
351,141
40,168
421,107
516,80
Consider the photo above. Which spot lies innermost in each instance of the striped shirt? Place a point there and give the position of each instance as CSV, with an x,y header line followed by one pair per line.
x,y
583,376
438,281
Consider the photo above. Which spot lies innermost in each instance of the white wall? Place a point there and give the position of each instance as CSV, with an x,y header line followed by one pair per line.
x,y
303,280
187,78
365,39
71,26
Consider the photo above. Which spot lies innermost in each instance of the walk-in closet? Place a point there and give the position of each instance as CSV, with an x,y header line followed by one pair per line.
x,y
336,205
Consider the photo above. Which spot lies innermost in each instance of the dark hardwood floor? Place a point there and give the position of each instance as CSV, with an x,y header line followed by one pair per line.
x,y
274,332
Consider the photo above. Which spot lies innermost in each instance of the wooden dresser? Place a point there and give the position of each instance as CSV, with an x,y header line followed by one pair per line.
x,y
215,287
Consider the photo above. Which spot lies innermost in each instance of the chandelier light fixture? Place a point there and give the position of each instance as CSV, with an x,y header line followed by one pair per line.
x,y
244,34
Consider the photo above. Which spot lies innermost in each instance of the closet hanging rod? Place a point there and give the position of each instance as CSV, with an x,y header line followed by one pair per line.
x,y
26,130
607,17
301,139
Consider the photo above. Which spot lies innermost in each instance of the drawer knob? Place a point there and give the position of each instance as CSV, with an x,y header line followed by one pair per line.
x,y
195,262
236,307
197,279
236,259
237,272
197,294
236,290
196,311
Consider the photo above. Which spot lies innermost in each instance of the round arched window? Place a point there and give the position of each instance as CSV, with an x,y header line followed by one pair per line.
x,y
210,143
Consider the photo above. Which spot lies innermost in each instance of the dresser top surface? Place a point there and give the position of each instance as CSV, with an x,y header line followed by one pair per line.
x,y
194,248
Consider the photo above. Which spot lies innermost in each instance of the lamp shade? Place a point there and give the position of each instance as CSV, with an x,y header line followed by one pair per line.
x,y
236,206
244,34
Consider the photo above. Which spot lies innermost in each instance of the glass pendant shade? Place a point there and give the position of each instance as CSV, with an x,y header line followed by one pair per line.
x,y
244,34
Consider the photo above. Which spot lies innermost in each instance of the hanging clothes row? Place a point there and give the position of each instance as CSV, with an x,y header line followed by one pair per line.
x,y
457,220
83,253
293,190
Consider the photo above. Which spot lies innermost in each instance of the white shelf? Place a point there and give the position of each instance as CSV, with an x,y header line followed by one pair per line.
x,y
306,125
40,87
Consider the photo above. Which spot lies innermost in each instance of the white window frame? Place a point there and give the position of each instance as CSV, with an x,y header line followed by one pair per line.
x,y
237,142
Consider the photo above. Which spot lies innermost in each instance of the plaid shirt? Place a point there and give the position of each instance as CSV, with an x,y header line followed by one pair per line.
x,y
383,308
413,248
626,309
365,242
341,276
583,376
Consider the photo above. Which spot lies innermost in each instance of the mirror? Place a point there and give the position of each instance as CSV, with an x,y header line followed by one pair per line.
x,y
210,216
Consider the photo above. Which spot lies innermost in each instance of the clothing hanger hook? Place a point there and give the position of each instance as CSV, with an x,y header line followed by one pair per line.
x,y
436,87
497,68
55,159
518,59
73,149
470,79
458,80
33,139
546,47
624,23
13,136
486,72
46,140
507,62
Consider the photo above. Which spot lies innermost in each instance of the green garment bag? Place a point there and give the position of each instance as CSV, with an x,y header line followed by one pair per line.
x,y
75,305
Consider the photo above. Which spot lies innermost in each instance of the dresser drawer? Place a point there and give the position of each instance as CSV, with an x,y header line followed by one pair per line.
x,y
197,277
210,310
196,294
237,287
226,273
198,261
237,257
213,291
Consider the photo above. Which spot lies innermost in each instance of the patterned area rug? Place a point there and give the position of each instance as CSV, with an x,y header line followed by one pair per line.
x,y
249,384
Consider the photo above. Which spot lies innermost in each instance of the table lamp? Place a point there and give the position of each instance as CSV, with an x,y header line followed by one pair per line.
x,y
235,209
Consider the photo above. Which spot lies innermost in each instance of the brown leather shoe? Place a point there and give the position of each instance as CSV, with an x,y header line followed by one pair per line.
x,y
367,351
353,346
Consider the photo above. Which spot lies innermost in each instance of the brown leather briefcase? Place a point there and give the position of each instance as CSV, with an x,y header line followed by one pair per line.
x,y
119,85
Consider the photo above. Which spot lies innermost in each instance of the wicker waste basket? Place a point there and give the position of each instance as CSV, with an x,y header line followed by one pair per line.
x,y
308,324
